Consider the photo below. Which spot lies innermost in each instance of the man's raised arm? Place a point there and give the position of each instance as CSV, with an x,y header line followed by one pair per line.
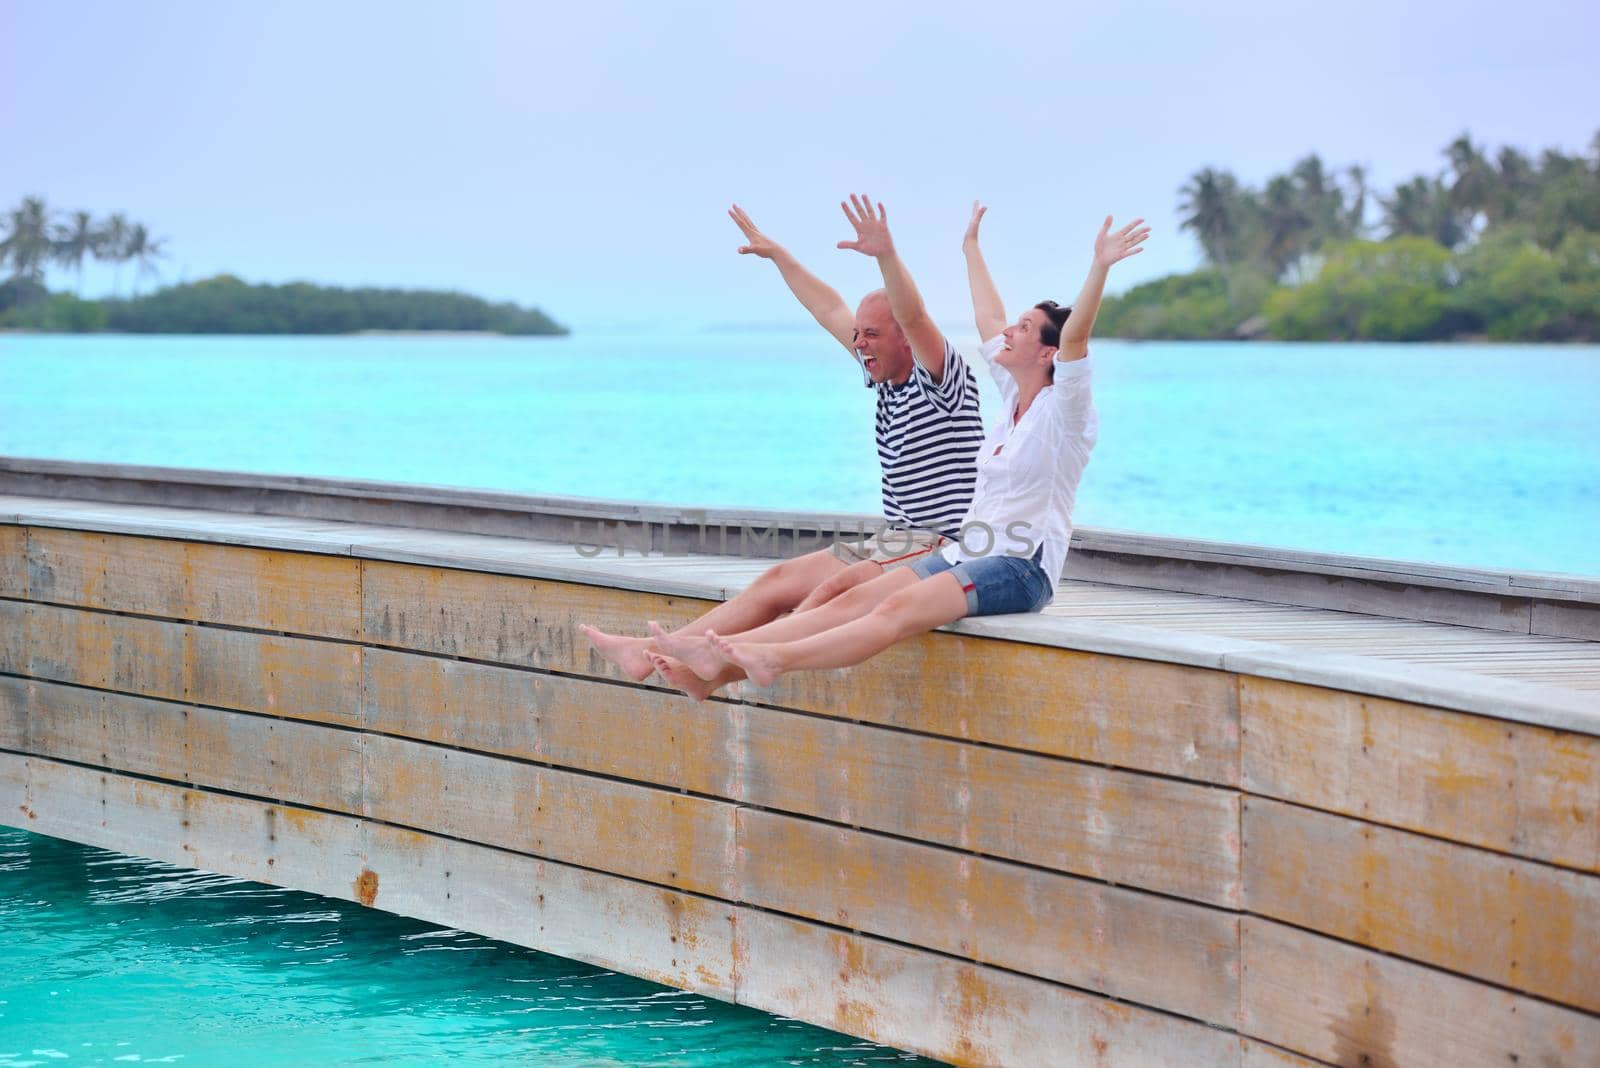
x,y
905,303
819,298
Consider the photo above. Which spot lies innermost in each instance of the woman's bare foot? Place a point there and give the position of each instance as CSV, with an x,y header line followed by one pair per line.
x,y
695,653
628,654
759,661
680,677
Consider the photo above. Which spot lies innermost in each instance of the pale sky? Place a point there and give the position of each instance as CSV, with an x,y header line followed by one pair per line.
x,y
581,156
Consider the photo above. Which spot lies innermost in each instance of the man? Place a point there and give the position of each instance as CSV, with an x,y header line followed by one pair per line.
x,y
928,434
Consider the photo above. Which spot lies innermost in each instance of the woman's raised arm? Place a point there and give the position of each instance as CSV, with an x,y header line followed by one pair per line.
x,y
1109,248
987,308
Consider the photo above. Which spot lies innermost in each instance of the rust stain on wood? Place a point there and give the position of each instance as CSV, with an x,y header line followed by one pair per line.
x,y
366,887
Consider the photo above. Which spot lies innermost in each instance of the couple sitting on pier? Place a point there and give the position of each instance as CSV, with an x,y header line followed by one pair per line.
x,y
990,516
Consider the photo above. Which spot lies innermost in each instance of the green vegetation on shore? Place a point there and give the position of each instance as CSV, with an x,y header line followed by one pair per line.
x,y
220,305
1505,248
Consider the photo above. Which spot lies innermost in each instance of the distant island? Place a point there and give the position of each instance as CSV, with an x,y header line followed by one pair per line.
x,y
1506,249
220,305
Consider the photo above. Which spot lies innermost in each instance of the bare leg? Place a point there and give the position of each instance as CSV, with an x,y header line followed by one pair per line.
x,y
776,591
700,656
848,579
920,607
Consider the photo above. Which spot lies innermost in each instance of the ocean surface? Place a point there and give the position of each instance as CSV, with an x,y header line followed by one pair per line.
x,y
1483,456
1477,455
110,959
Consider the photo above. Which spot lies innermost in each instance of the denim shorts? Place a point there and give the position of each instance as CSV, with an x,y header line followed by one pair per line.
x,y
995,585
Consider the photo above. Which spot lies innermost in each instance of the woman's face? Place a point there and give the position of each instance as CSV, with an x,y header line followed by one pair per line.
x,y
1024,348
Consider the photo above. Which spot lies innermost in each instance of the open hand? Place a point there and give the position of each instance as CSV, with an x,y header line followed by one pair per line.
x,y
971,238
1110,248
872,227
757,243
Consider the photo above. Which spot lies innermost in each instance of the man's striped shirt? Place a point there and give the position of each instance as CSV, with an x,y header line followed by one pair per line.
x,y
928,438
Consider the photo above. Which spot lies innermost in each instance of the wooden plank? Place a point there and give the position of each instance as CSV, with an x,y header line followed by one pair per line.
x,y
14,637
656,835
1159,717
301,593
1136,947
138,656
509,620
275,759
667,937
1176,837
1260,1055
1520,789
959,1012
1520,924
1570,619
1136,714
1348,1005
1179,838
13,561
301,678
624,731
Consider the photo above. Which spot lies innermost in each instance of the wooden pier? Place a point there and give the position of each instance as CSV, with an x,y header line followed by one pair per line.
x,y
1218,805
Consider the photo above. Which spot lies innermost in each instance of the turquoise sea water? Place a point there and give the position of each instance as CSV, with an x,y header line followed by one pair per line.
x,y
109,959
1479,455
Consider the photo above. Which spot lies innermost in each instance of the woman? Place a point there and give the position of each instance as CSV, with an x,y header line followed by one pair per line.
x,y
1014,538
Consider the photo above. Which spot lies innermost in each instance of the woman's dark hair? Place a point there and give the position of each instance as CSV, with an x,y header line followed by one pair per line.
x,y
1056,316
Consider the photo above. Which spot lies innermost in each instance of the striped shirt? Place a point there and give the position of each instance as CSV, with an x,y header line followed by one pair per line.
x,y
929,434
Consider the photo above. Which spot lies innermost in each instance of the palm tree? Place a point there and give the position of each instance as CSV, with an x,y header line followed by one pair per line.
x,y
75,241
1474,188
144,250
1285,225
1355,219
1422,207
1321,200
27,245
1517,187
1211,208
113,246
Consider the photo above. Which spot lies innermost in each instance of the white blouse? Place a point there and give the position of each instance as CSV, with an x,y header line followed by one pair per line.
x,y
1028,469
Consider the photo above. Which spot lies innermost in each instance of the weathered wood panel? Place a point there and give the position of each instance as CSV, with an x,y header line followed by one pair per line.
x,y
657,835
13,561
1526,790
1139,714
1572,619
1133,946
301,593
297,677
959,1012
1528,926
1136,714
626,731
510,620
668,937
279,759
1260,1055
1179,838
1354,1006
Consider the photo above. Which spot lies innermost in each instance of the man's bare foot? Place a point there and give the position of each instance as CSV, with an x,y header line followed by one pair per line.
x,y
680,677
628,654
695,653
758,660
